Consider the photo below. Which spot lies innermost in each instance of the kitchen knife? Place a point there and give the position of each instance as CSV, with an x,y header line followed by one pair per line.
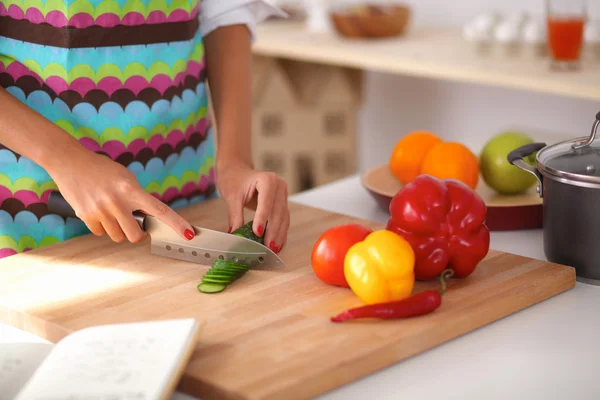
x,y
207,245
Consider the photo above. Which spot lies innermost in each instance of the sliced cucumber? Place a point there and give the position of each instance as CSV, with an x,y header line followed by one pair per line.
x,y
211,287
230,278
215,282
228,265
233,270
222,272
224,278
230,270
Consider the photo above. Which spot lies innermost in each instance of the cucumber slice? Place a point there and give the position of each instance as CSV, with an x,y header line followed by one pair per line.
x,y
223,277
219,276
220,280
222,272
211,287
227,278
228,270
233,269
228,264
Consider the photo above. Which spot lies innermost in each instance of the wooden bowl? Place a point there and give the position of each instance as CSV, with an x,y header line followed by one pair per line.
x,y
371,21
504,213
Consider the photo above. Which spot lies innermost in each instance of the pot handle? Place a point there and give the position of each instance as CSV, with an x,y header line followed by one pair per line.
x,y
516,156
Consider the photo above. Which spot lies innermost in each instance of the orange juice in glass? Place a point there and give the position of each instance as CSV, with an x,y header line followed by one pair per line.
x,y
566,20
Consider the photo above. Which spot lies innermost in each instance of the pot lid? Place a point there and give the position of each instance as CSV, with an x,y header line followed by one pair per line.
x,y
577,159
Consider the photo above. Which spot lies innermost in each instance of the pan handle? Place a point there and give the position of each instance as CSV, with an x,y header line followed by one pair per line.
x,y
516,157
58,205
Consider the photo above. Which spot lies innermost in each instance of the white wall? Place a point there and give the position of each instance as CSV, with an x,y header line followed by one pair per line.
x,y
468,113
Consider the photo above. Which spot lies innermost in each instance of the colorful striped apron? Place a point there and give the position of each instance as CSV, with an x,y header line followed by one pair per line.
x,y
124,77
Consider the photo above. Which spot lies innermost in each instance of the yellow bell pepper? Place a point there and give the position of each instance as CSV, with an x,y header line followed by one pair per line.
x,y
381,268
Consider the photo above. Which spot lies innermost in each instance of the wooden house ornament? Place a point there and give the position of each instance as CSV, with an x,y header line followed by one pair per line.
x,y
305,121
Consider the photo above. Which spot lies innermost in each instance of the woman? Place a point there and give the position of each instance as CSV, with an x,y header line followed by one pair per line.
x,y
105,100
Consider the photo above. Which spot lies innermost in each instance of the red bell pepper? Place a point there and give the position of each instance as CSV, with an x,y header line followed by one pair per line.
x,y
444,221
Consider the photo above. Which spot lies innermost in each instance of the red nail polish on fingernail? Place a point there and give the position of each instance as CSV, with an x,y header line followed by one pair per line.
x,y
189,235
260,230
229,231
272,246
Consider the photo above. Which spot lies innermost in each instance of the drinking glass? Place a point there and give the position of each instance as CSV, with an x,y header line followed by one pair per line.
x,y
565,20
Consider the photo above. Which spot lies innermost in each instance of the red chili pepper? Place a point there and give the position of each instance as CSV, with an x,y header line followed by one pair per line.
x,y
419,304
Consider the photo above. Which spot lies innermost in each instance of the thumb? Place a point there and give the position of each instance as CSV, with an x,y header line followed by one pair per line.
x,y
153,206
235,212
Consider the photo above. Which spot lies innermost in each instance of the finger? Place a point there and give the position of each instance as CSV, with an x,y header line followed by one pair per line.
x,y
276,224
91,221
153,206
130,227
283,232
111,226
235,213
285,226
280,237
122,213
94,226
266,188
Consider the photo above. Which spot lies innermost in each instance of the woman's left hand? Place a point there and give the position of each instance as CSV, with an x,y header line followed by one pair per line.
x,y
242,186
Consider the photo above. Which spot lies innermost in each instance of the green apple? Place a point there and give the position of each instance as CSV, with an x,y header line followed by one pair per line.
x,y
497,172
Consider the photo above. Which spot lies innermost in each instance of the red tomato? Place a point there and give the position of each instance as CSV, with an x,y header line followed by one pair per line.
x,y
330,250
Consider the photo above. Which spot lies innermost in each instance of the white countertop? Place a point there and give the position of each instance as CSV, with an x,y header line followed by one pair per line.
x,y
548,351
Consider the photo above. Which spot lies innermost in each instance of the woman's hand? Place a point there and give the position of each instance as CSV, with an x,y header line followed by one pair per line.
x,y
104,194
230,81
242,186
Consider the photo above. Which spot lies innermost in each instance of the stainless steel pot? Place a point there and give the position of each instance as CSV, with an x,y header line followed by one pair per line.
x,y
569,183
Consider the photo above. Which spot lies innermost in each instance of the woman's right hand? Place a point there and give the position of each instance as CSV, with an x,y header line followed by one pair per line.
x,y
104,194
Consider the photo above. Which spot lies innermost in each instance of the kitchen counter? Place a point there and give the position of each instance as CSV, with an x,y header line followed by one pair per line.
x,y
548,351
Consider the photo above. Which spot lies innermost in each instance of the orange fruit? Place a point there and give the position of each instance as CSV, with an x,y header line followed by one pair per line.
x,y
451,160
408,154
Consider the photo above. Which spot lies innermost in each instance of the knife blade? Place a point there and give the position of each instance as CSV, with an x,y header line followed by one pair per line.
x,y
207,246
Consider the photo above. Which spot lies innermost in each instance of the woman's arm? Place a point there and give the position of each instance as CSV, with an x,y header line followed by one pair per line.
x,y
102,192
229,71
228,61
30,134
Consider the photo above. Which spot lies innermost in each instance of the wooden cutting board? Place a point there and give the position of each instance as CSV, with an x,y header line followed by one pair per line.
x,y
268,336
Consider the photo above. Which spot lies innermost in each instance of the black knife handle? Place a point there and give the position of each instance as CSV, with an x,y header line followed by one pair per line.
x,y
58,205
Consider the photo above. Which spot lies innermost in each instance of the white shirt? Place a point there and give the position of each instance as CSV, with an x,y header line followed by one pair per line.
x,y
217,13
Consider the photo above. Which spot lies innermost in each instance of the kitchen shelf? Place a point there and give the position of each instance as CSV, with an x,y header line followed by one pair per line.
x,y
438,53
